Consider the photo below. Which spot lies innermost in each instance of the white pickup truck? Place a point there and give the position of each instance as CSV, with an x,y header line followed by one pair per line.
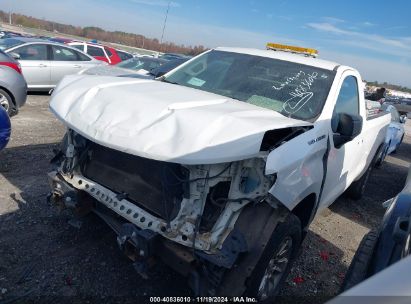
x,y
218,167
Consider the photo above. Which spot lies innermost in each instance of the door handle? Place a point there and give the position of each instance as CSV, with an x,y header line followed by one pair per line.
x,y
77,66
42,65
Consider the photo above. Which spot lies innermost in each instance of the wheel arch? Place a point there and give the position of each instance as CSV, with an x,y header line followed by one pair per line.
x,y
13,99
305,209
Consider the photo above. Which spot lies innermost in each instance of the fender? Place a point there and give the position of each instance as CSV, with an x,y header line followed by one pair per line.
x,y
299,167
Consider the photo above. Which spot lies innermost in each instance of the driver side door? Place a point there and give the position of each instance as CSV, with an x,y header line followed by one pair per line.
x,y
343,163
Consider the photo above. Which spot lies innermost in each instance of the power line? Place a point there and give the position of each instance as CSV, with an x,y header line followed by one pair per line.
x,y
164,25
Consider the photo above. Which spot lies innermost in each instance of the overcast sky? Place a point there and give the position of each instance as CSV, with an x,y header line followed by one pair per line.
x,y
376,39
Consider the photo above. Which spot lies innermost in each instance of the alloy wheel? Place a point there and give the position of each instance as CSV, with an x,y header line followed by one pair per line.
x,y
275,269
4,102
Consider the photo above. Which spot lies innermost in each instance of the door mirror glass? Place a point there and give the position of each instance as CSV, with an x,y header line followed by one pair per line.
x,y
345,127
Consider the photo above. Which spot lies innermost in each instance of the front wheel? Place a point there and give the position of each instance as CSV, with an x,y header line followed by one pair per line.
x,y
275,262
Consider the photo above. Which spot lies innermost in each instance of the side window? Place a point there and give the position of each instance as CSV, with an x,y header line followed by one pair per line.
x,y
63,54
348,98
82,57
32,52
95,51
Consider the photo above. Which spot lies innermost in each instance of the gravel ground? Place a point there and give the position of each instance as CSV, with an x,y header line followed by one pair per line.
x,y
43,259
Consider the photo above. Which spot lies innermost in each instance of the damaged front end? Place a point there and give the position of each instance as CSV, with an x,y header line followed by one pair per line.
x,y
183,214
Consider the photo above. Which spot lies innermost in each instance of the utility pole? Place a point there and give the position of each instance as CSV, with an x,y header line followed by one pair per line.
x,y
10,17
164,25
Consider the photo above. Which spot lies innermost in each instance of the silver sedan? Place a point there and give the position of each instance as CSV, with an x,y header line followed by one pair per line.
x,y
13,87
45,63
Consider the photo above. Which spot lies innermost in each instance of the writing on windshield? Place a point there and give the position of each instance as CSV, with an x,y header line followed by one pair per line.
x,y
290,88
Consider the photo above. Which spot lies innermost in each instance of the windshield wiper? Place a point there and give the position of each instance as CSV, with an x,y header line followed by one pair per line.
x,y
163,79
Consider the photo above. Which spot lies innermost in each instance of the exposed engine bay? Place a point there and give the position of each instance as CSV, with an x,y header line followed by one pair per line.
x,y
193,205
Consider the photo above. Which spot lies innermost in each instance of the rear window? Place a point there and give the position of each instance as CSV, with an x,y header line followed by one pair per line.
x,y
124,56
9,43
140,63
95,51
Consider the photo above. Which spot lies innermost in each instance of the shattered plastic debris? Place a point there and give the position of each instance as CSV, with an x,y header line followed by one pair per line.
x,y
298,280
324,255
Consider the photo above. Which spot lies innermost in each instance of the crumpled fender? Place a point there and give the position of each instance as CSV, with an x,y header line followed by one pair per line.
x,y
298,164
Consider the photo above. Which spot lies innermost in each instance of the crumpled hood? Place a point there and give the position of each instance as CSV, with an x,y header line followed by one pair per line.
x,y
163,121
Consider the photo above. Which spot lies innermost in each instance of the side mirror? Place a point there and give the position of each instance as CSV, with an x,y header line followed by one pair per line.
x,y
345,127
15,55
403,119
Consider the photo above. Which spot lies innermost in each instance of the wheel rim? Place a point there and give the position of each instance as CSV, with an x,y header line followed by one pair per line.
x,y
275,269
4,102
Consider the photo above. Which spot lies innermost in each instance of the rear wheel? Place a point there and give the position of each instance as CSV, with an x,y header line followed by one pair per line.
x,y
275,262
7,102
356,190
381,158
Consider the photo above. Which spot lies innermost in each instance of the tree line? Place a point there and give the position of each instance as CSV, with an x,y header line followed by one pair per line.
x,y
92,32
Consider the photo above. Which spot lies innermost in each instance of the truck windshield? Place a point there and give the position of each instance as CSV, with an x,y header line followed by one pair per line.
x,y
292,89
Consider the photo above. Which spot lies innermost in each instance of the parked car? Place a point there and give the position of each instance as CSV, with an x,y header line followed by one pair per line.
x,y
218,167
98,51
45,63
5,128
135,66
13,87
61,40
403,106
383,249
8,34
395,132
171,56
167,67
124,55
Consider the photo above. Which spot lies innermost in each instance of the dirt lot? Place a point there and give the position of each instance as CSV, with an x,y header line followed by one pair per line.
x,y
43,259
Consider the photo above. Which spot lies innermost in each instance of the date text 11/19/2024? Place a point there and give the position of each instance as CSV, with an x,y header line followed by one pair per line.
x,y
203,300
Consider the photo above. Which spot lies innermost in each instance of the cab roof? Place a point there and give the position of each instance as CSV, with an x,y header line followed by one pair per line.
x,y
286,56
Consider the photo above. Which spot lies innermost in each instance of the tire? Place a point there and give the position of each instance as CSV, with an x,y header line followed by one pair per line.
x,y
356,190
360,264
380,159
7,103
289,230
